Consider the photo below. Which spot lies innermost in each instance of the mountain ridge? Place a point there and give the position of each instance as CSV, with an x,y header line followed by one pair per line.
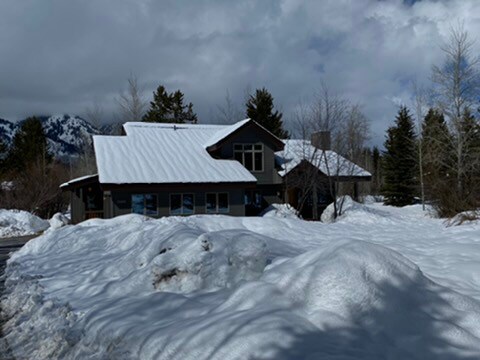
x,y
67,135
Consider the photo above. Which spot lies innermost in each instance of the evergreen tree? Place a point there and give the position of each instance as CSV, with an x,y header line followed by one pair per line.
x,y
399,161
470,134
29,145
3,157
260,109
437,151
377,176
169,108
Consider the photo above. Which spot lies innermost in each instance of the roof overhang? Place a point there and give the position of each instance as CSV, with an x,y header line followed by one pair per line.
x,y
79,182
278,143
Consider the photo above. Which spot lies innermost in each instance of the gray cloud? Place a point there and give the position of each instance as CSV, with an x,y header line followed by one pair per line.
x,y
60,56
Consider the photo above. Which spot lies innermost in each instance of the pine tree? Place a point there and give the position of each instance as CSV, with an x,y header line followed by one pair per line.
x,y
29,145
3,157
437,153
377,176
169,108
260,109
470,134
399,161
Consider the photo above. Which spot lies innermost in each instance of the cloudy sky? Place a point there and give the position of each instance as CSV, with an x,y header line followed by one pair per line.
x,y
61,56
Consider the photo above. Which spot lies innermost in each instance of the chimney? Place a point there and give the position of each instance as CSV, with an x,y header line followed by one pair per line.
x,y
321,140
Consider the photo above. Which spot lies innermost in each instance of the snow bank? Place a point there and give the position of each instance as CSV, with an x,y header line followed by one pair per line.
x,y
200,288
354,212
57,221
19,223
280,210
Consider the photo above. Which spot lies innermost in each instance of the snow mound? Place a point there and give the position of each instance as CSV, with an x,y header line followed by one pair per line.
x,y
354,212
57,221
285,211
200,288
376,295
213,260
19,223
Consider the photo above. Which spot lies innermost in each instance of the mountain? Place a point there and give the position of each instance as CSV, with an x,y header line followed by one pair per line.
x,y
67,135
7,129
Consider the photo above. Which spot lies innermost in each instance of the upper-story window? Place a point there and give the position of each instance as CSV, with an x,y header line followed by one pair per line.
x,y
250,155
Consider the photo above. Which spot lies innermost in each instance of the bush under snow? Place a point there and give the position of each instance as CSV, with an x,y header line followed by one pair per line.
x,y
200,288
285,211
57,221
19,223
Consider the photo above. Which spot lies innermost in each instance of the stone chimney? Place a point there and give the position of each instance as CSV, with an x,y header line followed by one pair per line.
x,y
321,140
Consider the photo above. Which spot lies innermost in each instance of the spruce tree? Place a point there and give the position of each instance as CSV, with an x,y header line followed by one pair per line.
x,y
470,134
437,152
260,109
169,108
399,161
3,157
29,145
377,176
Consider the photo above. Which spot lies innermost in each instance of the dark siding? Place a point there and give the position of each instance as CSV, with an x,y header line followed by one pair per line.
x,y
249,135
77,207
122,203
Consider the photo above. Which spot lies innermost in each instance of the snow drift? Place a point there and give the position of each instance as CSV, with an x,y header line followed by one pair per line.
x,y
217,287
285,211
19,223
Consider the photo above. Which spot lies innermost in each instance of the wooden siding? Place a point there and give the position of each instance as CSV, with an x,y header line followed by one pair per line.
x,y
248,135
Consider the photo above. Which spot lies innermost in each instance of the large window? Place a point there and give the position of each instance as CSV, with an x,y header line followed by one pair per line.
x,y
253,198
182,204
217,203
145,204
250,155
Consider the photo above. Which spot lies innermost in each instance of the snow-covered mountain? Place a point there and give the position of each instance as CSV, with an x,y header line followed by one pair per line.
x,y
67,135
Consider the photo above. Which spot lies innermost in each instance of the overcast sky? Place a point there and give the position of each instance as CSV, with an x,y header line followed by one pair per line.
x,y
59,56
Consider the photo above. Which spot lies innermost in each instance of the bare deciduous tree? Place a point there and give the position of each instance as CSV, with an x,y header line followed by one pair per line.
x,y
131,104
457,84
228,112
349,129
95,114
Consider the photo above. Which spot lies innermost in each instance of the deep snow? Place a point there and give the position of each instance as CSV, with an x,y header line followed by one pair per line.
x,y
19,223
380,283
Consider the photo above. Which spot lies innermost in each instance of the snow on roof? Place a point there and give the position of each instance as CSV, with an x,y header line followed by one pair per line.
x,y
153,153
224,132
296,151
81,178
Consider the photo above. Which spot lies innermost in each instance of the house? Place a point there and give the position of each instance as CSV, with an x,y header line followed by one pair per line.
x,y
159,169
313,174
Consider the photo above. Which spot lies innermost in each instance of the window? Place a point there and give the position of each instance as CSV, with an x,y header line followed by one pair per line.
x,y
253,198
182,204
145,204
217,203
250,155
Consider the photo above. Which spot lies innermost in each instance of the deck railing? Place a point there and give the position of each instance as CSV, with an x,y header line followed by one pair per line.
x,y
93,214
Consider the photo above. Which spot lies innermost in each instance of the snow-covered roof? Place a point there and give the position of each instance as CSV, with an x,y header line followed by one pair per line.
x,y
153,153
296,151
224,132
79,179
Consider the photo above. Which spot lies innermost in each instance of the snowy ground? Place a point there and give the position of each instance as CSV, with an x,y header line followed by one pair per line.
x,y
381,283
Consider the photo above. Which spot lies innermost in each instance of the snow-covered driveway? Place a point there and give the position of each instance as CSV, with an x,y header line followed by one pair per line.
x,y
381,283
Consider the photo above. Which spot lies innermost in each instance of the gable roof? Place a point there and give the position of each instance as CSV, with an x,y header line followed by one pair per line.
x,y
297,151
219,138
156,153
